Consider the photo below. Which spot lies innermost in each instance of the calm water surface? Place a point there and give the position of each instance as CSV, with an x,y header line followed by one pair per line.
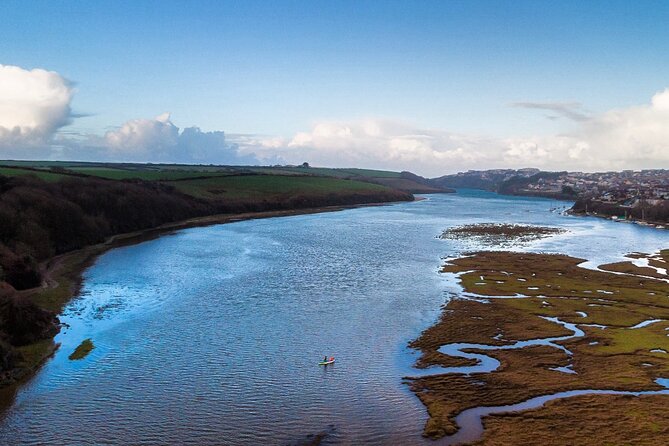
x,y
211,336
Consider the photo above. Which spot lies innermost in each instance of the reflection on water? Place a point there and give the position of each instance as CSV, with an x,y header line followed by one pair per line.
x,y
212,335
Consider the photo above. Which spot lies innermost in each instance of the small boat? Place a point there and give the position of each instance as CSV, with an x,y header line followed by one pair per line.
x,y
331,361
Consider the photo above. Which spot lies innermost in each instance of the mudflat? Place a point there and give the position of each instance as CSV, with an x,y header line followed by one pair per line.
x,y
585,329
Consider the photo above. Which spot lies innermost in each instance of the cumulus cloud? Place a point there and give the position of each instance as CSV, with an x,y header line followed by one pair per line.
x,y
34,104
627,138
157,140
630,138
636,136
143,136
371,143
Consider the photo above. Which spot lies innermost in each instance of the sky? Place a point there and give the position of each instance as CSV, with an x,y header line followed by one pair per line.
x,y
434,87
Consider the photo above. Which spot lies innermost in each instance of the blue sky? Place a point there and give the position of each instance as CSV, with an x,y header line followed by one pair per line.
x,y
279,68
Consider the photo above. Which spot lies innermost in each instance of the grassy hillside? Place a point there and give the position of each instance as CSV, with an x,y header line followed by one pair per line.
x,y
342,173
45,175
270,187
144,174
54,170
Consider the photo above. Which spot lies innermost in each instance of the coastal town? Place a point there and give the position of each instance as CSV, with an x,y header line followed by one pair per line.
x,y
627,187
640,195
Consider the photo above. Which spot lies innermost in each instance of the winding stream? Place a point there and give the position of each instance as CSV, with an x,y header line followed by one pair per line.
x,y
470,421
487,364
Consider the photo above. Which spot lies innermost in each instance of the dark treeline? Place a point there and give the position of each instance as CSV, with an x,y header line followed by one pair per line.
x,y
644,211
39,220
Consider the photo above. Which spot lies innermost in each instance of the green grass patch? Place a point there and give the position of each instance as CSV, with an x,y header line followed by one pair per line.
x,y
82,350
38,164
64,279
372,173
339,173
665,255
142,174
168,172
261,187
44,175
35,353
614,341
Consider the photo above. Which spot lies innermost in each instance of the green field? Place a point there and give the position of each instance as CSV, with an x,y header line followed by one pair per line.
x,y
45,175
143,174
259,187
167,172
340,173
235,183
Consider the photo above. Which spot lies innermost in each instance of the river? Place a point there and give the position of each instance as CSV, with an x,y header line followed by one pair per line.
x,y
212,335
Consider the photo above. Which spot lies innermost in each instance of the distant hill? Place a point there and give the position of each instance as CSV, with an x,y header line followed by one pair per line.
x,y
481,179
526,182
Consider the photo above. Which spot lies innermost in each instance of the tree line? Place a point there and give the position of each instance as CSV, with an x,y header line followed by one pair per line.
x,y
643,211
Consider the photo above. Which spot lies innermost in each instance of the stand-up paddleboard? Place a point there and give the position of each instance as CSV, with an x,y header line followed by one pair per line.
x,y
327,362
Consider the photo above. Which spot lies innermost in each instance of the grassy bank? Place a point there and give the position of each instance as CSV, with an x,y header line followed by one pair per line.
x,y
614,353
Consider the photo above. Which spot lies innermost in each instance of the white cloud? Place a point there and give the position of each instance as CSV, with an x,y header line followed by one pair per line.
x,y
636,135
143,136
34,104
369,143
630,138
158,140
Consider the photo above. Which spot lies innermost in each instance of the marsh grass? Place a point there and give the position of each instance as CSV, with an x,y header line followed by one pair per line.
x,y
503,235
82,350
616,357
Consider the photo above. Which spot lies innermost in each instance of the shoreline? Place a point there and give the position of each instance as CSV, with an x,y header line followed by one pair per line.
x,y
647,223
63,276
509,316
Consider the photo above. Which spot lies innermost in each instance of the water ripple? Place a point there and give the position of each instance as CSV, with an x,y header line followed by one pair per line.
x,y
211,336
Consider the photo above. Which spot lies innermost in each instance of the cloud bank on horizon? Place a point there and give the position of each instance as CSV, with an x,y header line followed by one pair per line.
x,y
35,107
628,138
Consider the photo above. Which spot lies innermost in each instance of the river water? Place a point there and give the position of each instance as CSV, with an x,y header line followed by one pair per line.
x,y
212,335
